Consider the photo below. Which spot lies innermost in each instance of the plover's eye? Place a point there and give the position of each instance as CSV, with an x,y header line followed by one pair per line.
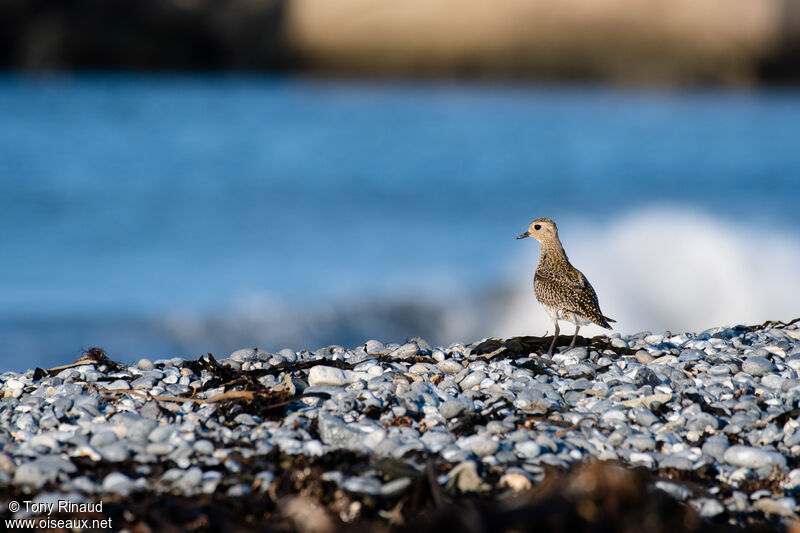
x,y
537,227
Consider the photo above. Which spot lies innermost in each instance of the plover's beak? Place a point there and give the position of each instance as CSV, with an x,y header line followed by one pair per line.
x,y
526,234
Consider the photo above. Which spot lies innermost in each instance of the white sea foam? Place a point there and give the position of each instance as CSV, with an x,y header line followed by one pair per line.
x,y
657,269
672,269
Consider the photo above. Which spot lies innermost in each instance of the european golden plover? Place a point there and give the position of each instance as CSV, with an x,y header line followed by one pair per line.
x,y
560,287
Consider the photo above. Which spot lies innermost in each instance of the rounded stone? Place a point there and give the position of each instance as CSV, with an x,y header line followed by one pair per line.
x,y
793,480
644,417
372,346
118,483
162,433
42,470
752,457
145,364
614,415
472,379
405,351
641,443
579,353
479,445
190,479
676,461
119,384
245,419
140,429
641,458
678,492
757,366
527,449
780,507
245,354
159,448
327,375
711,508
719,370
450,367
619,343
715,446
103,438
452,408
114,453
7,464
204,447
498,427
14,384
288,354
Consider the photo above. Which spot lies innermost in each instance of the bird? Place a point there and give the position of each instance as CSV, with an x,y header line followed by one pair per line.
x,y
563,289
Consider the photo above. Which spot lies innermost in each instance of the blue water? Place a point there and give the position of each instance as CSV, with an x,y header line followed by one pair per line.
x,y
130,202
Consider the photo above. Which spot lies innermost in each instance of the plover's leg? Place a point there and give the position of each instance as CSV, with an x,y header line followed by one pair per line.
x,y
555,337
572,344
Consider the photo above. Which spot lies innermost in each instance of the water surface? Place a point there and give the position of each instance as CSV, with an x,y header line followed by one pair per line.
x,y
166,216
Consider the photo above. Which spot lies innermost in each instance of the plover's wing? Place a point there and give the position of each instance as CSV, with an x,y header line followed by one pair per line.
x,y
590,307
565,292
572,277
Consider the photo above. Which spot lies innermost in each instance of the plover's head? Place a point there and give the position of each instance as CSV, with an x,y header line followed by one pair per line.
x,y
543,230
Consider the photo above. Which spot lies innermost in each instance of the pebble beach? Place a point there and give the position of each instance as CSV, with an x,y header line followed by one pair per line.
x,y
393,436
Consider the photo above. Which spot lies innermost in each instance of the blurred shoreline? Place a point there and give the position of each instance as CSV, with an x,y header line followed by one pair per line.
x,y
616,41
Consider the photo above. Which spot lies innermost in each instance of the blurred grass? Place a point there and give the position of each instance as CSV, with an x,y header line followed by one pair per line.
x,y
648,41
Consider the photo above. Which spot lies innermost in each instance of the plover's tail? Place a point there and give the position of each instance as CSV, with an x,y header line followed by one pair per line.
x,y
604,321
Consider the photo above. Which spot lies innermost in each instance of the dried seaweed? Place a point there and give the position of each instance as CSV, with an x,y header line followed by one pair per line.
x,y
93,356
704,406
517,347
771,324
589,497
773,482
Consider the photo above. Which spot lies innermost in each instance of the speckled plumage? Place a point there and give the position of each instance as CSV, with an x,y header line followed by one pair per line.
x,y
560,287
564,289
